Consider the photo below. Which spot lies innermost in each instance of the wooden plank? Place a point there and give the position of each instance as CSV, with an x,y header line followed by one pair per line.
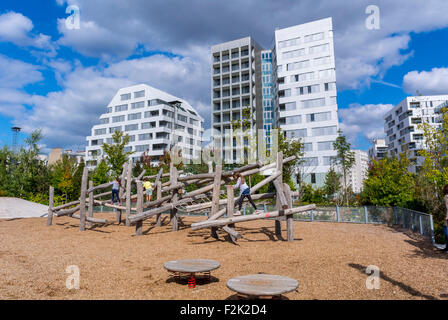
x,y
156,182
93,220
82,204
66,212
279,181
90,211
101,186
109,205
218,214
226,221
102,194
122,180
66,205
50,207
159,196
280,194
197,176
241,169
128,191
289,218
173,211
215,198
230,211
264,182
150,213
165,175
139,224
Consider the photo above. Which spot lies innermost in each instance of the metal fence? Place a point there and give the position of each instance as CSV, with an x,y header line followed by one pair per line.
x,y
415,221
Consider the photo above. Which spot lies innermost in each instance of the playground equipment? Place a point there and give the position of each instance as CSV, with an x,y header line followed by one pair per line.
x,y
262,286
171,199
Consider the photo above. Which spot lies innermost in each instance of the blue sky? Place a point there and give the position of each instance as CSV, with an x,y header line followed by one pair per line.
x,y
61,80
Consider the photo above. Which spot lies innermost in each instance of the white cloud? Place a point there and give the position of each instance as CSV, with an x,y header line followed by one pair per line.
x,y
16,74
363,121
427,82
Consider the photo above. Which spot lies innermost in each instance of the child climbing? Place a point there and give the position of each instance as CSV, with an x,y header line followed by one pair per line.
x,y
244,192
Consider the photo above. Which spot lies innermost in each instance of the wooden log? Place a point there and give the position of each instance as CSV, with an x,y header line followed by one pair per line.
x,y
267,167
122,180
230,209
90,211
200,190
218,214
109,205
82,204
150,213
156,183
165,175
128,191
289,218
173,211
66,205
50,207
89,219
102,194
158,201
280,194
226,221
241,169
264,182
101,186
142,174
215,198
173,187
205,205
159,196
118,216
139,224
278,182
210,167
197,176
66,212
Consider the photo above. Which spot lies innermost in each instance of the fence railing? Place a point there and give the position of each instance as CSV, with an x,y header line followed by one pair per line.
x,y
415,221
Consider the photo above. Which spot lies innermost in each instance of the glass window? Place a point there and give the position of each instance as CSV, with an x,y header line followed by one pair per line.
x,y
322,61
139,94
313,103
308,147
131,127
321,116
137,105
113,129
319,49
125,96
293,120
118,118
99,132
290,106
324,131
299,133
142,148
104,121
144,136
123,107
310,162
325,145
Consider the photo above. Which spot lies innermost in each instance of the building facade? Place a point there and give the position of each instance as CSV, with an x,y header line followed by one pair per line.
x,y
155,121
236,96
268,96
305,94
378,150
358,173
402,126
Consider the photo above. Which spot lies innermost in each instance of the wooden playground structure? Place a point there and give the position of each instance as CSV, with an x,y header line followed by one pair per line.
x,y
171,199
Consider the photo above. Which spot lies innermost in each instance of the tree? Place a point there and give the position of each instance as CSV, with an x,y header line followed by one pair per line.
x,y
332,185
389,183
100,174
115,154
290,147
344,158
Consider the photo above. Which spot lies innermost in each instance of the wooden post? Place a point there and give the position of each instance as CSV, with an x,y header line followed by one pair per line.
x,y
215,198
50,207
159,196
210,167
289,218
128,192
139,224
173,211
230,208
123,176
90,214
279,179
82,200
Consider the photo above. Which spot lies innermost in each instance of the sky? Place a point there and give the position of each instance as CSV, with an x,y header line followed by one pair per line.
x,y
60,79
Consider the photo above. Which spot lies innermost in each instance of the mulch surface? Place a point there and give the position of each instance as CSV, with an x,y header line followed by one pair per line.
x,y
329,260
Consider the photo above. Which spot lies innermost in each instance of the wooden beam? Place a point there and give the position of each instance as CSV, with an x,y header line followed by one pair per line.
x,y
150,213
90,211
50,207
230,209
101,186
66,212
279,181
215,198
289,218
66,205
82,204
173,211
159,196
93,220
128,191
197,176
139,224
122,180
264,182
226,221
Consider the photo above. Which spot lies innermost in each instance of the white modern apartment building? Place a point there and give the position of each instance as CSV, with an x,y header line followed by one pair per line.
x,y
267,90
154,120
305,93
378,150
401,124
235,86
358,173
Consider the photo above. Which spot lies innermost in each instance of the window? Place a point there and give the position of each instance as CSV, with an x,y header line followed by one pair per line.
x,y
139,94
122,107
298,65
104,121
319,49
142,148
127,149
325,145
145,136
156,102
314,37
293,120
131,127
313,103
308,89
113,129
330,86
137,105
99,132
299,133
109,109
290,106
321,116
328,161
332,100
303,77
125,96
310,162
118,118
308,147
322,60
148,125
289,43
324,131
293,54
313,177
182,118
328,73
